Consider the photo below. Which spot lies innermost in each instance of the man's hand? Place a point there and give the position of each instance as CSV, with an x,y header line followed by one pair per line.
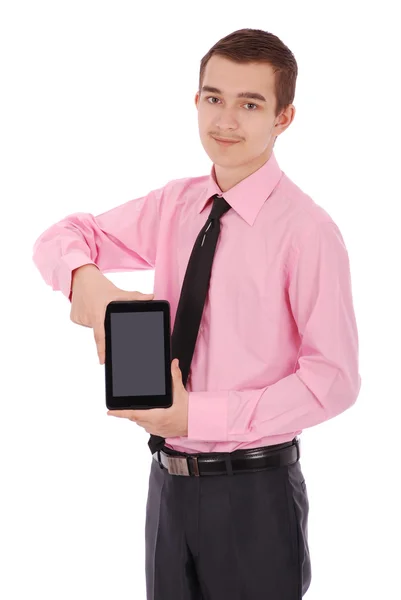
x,y
91,292
165,422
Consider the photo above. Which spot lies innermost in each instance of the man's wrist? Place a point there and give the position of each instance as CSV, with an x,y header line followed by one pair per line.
x,y
83,269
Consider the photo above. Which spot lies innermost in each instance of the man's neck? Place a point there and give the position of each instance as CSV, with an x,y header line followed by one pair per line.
x,y
228,178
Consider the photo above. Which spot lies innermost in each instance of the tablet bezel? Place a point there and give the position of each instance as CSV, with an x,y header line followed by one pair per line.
x,y
138,402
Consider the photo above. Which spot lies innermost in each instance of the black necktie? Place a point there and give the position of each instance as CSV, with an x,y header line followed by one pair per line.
x,y
192,297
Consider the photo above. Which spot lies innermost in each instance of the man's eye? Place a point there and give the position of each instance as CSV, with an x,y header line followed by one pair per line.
x,y
247,103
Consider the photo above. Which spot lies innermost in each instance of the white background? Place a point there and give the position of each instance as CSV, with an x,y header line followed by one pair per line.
x,y
97,108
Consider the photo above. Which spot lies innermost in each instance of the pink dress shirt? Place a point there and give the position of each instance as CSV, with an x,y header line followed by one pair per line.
x,y
277,349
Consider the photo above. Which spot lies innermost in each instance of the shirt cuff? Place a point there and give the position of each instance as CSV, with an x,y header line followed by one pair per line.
x,y
66,266
208,416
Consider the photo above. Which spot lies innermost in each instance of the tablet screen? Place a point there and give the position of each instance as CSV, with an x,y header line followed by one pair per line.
x,y
137,353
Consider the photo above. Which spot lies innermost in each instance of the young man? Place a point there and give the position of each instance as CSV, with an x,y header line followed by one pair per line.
x,y
276,350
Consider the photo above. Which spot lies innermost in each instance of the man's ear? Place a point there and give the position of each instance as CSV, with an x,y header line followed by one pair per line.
x,y
196,99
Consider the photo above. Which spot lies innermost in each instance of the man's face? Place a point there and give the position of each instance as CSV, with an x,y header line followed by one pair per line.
x,y
250,121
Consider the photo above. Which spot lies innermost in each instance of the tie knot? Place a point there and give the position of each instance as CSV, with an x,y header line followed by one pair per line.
x,y
220,206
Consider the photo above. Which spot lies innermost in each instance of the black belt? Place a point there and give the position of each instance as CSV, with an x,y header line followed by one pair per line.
x,y
223,463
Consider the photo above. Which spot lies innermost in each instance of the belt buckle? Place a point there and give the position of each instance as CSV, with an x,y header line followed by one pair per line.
x,y
177,465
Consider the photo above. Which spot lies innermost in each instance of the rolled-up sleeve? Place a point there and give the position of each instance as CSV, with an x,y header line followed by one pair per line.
x,y
326,380
121,239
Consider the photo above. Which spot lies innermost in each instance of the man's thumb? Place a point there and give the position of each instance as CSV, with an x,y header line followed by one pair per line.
x,y
138,296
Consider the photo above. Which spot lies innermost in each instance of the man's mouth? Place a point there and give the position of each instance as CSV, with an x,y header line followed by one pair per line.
x,y
225,141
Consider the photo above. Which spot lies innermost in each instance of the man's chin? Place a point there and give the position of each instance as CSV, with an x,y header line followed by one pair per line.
x,y
224,157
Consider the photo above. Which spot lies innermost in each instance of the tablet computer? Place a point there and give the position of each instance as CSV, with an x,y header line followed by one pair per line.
x,y
138,354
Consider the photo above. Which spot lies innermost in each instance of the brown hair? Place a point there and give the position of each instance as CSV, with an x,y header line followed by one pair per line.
x,y
256,45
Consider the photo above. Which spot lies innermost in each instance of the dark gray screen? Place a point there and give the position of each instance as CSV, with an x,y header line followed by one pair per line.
x,y
137,354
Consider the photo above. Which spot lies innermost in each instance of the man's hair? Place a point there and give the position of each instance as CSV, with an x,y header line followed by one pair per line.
x,y
256,45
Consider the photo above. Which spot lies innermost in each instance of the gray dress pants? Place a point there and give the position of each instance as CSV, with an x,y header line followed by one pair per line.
x,y
227,537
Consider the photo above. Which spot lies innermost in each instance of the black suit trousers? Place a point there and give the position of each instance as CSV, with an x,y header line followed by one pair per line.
x,y
227,537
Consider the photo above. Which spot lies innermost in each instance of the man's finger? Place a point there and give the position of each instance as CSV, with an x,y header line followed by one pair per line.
x,y
99,333
126,414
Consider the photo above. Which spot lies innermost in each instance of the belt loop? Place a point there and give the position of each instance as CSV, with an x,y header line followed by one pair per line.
x,y
229,467
159,460
298,445
195,466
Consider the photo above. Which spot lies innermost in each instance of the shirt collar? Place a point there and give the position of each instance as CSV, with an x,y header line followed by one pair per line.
x,y
247,196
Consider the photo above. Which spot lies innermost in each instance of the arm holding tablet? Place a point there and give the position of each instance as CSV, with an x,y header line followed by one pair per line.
x,y
78,249
72,256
